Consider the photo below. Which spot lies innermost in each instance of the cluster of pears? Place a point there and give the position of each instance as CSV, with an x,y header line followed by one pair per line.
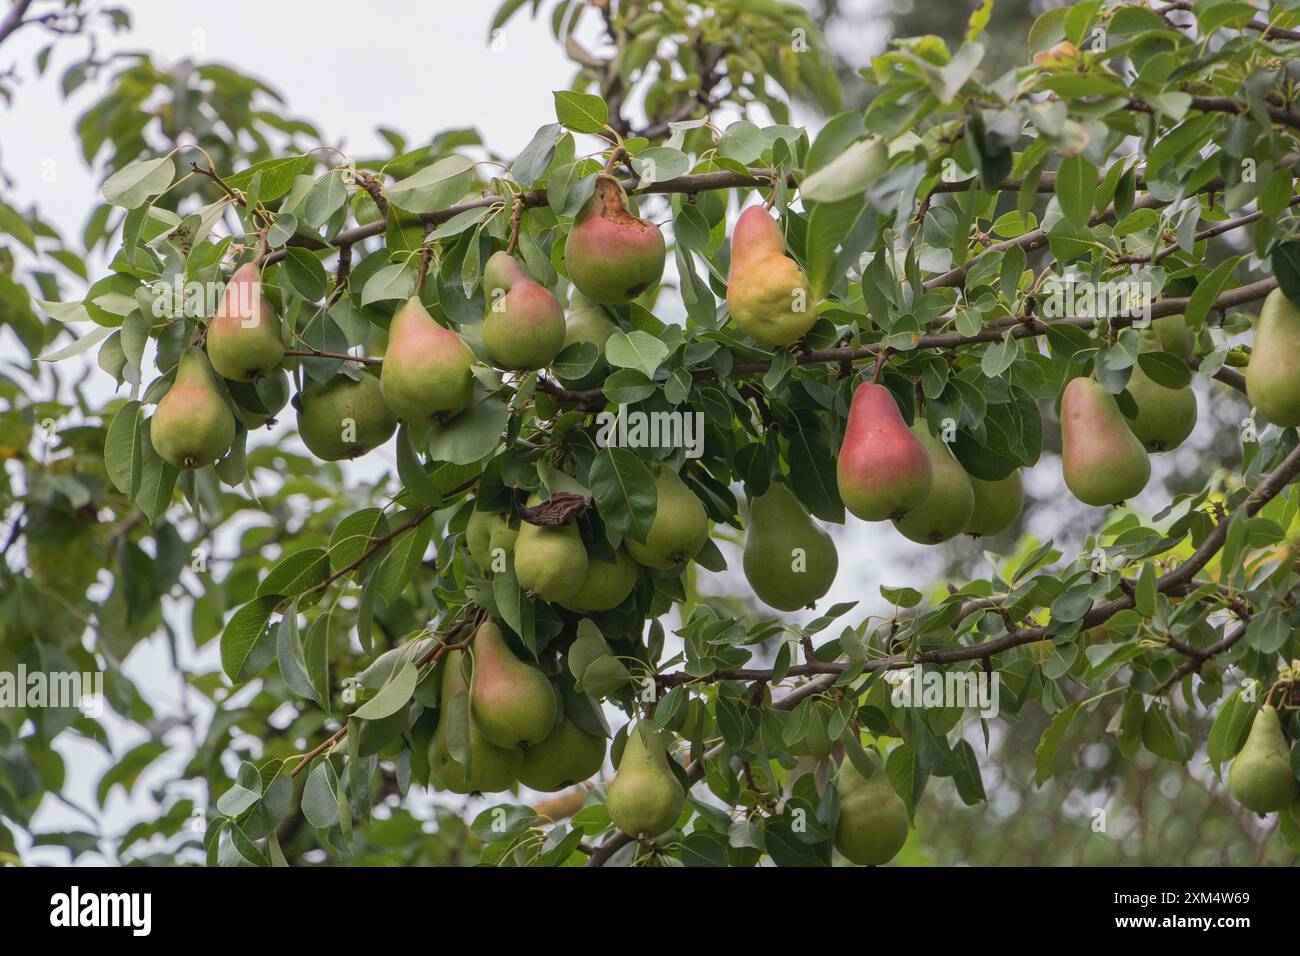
x,y
515,729
193,425
888,471
552,562
767,293
1104,454
1261,778
873,821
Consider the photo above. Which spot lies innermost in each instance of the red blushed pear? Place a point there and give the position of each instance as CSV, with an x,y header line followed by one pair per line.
x,y
426,375
244,336
193,426
883,469
524,325
611,255
1102,460
767,292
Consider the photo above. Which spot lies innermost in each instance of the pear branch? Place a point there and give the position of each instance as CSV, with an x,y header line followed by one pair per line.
x,y
1176,581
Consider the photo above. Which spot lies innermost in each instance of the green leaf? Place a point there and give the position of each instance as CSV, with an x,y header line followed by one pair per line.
x,y
624,491
392,697
131,186
246,647
319,804
277,176
849,174
411,470
1076,185
123,454
404,556
295,573
1165,369
581,112
1050,742
1208,289
435,187
638,350
470,436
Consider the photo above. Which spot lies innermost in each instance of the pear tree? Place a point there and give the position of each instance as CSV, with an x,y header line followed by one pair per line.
x,y
982,316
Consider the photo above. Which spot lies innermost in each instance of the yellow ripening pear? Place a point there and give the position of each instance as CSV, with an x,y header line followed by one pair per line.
x,y
343,418
789,561
426,375
767,292
1260,777
524,324
192,426
512,702
611,255
568,756
1102,460
946,510
997,504
680,527
1273,374
645,798
244,336
873,818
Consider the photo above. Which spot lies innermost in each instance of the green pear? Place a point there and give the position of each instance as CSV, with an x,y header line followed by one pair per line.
x,y
491,769
680,527
606,584
767,292
1165,416
645,798
883,471
192,426
550,560
1102,460
244,336
256,403
1273,373
568,756
948,507
1174,335
789,561
588,322
611,255
873,818
524,325
490,540
426,375
343,418
512,702
1260,777
997,505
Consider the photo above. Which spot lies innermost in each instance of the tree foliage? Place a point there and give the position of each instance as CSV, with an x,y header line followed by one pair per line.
x,y
1144,145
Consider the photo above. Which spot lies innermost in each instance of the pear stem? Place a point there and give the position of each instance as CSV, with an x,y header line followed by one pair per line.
x,y
516,220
